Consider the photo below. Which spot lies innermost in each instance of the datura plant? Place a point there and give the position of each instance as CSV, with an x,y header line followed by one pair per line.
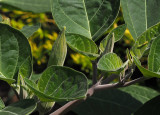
x,y
82,24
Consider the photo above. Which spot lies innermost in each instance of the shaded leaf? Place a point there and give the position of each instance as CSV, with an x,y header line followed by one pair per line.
x,y
22,107
118,34
2,105
28,31
1,18
36,6
144,71
154,56
59,51
59,83
140,15
151,107
88,18
14,48
110,62
122,101
82,45
143,41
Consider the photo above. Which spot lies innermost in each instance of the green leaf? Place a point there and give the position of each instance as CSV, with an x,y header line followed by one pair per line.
x,y
82,45
110,62
140,15
154,56
2,105
59,51
14,48
25,69
22,107
122,101
28,31
36,6
118,34
44,107
89,18
59,83
145,72
143,41
151,107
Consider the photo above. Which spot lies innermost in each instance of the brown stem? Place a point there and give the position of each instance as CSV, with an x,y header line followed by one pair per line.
x,y
94,77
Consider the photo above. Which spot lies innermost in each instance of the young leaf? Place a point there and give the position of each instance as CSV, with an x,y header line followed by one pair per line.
x,y
14,48
110,63
59,83
151,107
154,56
59,50
82,45
145,72
143,41
122,101
118,34
140,15
22,107
37,6
28,31
89,18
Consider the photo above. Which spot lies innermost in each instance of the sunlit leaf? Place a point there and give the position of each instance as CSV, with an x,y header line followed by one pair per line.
x,y
140,15
89,18
143,41
110,62
59,83
14,49
82,45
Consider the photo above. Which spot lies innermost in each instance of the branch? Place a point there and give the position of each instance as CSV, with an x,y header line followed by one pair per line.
x,y
119,84
67,107
94,77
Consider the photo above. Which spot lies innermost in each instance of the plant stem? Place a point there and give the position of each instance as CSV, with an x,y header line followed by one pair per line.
x,y
94,77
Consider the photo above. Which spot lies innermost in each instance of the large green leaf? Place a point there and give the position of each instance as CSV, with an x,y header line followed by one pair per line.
x,y
140,15
82,45
145,72
14,49
154,56
59,51
59,83
110,62
143,41
28,31
36,6
122,101
151,107
22,107
118,34
90,18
